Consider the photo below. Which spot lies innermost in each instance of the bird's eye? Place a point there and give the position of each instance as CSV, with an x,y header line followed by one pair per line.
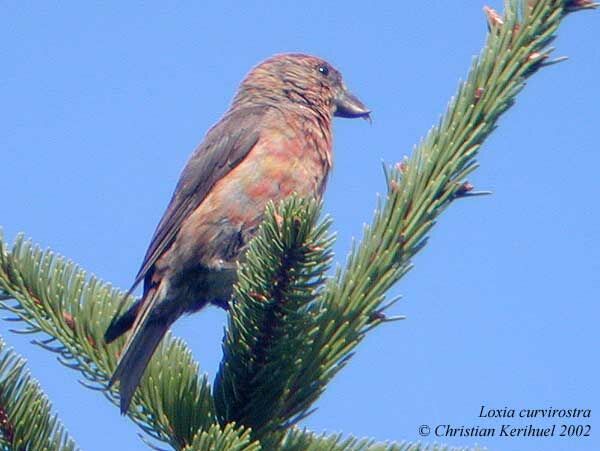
x,y
324,70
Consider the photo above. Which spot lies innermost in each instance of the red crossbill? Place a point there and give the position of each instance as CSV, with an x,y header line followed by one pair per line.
x,y
274,140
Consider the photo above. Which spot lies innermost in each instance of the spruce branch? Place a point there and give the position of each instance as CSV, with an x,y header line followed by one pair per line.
x,y
26,418
227,438
72,309
270,320
420,188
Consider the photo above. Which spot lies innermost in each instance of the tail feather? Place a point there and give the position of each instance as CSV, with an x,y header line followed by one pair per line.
x,y
147,331
135,359
121,324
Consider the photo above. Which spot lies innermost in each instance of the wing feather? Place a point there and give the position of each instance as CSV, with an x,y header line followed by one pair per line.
x,y
226,144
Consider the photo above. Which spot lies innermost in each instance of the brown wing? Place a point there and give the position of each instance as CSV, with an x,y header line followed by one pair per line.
x,y
225,145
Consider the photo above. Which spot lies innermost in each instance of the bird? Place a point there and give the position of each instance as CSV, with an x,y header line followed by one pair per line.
x,y
275,140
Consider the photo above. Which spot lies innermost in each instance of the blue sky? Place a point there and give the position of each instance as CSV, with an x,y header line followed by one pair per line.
x,y
102,105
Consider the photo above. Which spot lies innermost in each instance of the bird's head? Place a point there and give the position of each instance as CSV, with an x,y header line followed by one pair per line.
x,y
304,81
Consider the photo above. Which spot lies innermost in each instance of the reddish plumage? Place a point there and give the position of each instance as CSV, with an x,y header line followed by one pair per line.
x,y
274,140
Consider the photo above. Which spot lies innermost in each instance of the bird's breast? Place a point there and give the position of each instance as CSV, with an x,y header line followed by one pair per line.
x,y
279,165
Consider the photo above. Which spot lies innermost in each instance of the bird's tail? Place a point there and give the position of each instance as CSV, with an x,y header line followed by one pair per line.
x,y
121,324
147,332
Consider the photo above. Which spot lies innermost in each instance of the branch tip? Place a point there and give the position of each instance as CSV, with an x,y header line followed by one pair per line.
x,y
577,5
494,19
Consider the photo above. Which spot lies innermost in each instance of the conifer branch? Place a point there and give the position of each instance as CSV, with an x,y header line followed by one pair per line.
x,y
72,309
26,419
419,189
422,187
270,320
227,438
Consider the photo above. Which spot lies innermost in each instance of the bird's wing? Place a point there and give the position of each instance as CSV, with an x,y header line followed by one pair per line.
x,y
226,144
